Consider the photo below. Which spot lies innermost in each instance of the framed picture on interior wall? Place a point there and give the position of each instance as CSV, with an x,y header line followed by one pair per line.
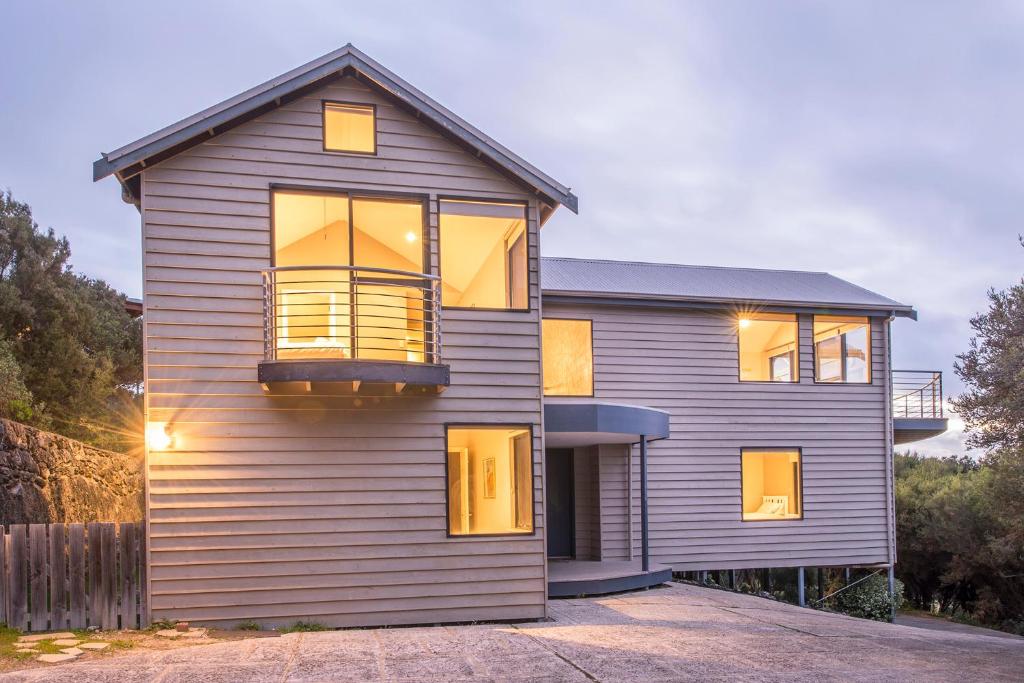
x,y
490,479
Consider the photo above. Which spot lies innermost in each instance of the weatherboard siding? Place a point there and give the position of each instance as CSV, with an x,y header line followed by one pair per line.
x,y
685,362
312,507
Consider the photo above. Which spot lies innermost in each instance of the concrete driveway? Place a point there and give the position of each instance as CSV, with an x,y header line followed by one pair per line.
x,y
666,634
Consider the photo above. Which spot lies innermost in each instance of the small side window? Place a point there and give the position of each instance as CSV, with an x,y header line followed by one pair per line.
x,y
350,128
768,347
490,480
772,484
842,349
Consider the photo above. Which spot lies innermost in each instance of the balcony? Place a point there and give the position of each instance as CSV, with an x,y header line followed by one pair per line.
x,y
348,329
917,405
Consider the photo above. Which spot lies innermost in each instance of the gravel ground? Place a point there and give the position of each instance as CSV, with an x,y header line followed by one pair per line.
x,y
675,633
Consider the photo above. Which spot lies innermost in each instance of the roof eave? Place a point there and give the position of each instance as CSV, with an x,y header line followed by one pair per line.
x,y
134,156
896,309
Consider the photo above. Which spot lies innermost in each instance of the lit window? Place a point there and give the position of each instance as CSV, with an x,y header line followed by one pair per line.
x,y
772,486
768,347
483,255
324,305
490,480
350,128
568,357
842,349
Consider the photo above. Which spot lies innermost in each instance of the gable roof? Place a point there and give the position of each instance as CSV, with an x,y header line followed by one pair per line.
x,y
711,284
128,161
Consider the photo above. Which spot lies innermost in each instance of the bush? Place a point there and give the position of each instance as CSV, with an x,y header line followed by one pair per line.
x,y
870,599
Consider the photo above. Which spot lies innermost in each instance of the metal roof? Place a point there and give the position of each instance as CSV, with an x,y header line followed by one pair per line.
x,y
708,284
129,160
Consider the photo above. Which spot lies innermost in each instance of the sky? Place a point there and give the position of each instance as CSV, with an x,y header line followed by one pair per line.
x,y
878,141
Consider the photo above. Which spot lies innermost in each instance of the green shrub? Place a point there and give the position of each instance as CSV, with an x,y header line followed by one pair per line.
x,y
249,625
870,599
304,626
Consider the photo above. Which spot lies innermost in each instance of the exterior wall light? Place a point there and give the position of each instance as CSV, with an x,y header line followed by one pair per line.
x,y
744,323
158,436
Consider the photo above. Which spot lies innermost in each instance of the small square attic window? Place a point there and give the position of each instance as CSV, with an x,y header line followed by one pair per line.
x,y
350,127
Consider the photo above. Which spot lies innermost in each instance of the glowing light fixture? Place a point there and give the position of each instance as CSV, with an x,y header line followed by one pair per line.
x,y
744,323
410,236
158,436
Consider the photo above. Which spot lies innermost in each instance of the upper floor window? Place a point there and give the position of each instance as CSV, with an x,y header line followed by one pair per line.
x,y
768,347
490,480
842,349
350,127
345,281
484,260
568,357
771,484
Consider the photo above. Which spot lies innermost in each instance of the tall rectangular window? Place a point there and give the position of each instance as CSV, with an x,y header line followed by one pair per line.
x,y
768,347
490,480
568,357
484,257
350,127
842,349
771,484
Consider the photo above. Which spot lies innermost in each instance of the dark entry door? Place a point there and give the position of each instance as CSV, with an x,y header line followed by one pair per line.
x,y
561,506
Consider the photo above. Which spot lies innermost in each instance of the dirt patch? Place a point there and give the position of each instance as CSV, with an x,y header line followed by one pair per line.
x,y
15,657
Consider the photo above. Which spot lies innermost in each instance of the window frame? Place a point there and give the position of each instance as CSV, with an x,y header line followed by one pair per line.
x,y
323,127
526,234
593,378
795,352
447,498
352,195
842,353
773,449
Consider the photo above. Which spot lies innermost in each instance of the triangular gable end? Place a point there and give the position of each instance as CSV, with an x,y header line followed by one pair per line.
x,y
127,162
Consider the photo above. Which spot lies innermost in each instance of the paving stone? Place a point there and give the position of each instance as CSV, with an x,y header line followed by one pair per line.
x,y
66,642
36,637
333,669
424,668
94,646
55,659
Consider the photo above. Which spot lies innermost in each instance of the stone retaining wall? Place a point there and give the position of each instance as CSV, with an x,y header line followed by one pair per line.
x,y
47,478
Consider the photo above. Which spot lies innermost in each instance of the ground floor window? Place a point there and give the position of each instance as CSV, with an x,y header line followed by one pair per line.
x,y
772,484
490,480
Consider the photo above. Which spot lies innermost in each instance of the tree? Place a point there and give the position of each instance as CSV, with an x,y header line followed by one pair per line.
x,y
993,370
78,352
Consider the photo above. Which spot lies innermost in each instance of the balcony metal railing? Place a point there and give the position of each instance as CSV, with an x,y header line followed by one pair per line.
x,y
917,393
351,312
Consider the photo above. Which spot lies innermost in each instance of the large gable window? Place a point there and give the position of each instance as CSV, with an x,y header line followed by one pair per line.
x,y
350,127
768,347
842,349
484,255
346,280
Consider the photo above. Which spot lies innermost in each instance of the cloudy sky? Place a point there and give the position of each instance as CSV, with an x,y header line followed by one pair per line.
x,y
881,142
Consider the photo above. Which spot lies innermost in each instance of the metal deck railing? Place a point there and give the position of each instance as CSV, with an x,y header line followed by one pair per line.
x,y
351,312
917,393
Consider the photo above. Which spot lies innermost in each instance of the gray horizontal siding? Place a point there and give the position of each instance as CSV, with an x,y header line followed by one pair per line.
x,y
685,362
311,507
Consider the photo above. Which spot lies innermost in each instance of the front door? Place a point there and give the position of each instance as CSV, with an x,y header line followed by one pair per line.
x,y
561,503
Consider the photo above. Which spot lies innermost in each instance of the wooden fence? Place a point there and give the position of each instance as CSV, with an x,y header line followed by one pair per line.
x,y
59,576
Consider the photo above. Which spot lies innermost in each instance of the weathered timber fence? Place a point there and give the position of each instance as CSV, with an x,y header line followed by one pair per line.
x,y
59,576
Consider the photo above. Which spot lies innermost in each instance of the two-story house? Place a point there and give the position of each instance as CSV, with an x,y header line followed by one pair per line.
x,y
352,419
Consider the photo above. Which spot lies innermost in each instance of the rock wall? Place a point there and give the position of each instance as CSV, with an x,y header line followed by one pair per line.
x,y
45,477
